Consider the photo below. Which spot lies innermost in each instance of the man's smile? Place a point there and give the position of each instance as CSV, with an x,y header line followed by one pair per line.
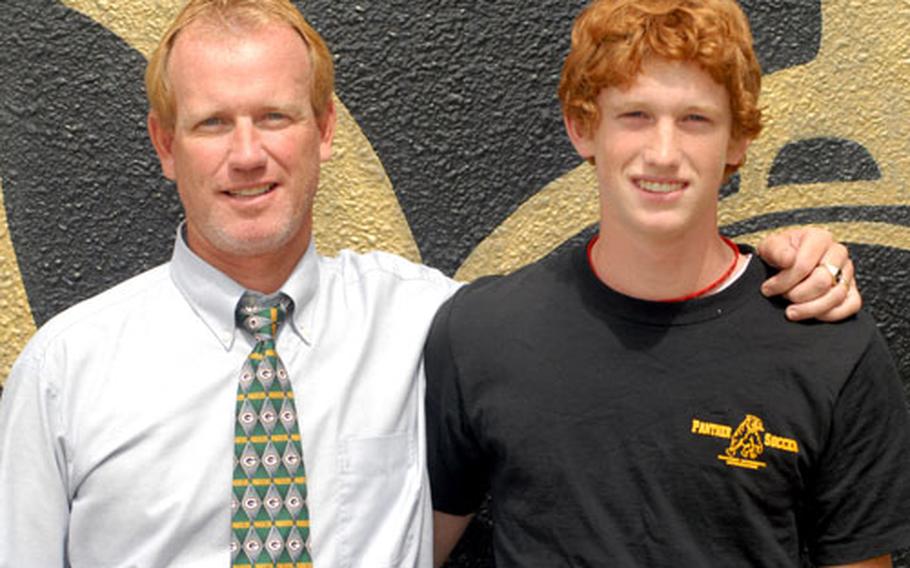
x,y
254,191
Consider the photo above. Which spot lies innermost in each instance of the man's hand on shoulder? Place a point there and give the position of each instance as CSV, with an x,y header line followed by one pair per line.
x,y
816,275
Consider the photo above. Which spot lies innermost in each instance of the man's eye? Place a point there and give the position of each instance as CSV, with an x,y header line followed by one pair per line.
x,y
211,122
634,114
697,118
275,119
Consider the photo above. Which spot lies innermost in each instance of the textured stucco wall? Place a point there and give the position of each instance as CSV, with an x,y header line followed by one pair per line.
x,y
450,147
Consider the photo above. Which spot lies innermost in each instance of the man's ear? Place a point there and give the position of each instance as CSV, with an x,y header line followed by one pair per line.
x,y
579,135
327,131
163,141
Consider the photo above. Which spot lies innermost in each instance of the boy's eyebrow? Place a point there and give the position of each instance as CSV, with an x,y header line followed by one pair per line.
x,y
621,101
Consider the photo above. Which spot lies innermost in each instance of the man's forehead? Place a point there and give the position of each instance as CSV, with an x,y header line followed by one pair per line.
x,y
254,69
211,28
200,40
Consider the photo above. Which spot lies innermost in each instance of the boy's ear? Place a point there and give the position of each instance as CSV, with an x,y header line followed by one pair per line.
x,y
736,151
580,136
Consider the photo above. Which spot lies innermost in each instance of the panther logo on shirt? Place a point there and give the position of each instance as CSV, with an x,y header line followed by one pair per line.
x,y
747,438
747,443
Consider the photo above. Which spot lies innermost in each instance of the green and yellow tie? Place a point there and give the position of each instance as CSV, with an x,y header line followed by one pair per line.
x,y
269,518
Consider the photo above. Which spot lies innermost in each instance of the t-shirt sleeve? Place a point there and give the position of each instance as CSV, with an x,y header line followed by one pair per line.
x,y
860,505
457,466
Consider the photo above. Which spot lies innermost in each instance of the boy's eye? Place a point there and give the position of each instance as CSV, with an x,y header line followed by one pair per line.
x,y
697,118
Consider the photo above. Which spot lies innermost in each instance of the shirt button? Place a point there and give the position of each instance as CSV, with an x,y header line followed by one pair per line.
x,y
226,336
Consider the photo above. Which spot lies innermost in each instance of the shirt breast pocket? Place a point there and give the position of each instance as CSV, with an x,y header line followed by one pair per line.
x,y
380,500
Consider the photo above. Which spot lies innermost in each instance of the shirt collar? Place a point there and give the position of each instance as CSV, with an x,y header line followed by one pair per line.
x,y
213,295
301,286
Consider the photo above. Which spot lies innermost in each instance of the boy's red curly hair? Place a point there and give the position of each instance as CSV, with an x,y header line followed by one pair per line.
x,y
612,38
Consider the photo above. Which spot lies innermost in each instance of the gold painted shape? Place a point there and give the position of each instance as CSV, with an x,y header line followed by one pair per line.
x,y
16,322
856,89
139,23
558,212
356,206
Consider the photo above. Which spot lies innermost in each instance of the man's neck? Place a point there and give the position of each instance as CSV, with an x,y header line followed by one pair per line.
x,y
264,273
662,267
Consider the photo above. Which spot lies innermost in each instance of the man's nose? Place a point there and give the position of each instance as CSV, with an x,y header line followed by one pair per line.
x,y
247,151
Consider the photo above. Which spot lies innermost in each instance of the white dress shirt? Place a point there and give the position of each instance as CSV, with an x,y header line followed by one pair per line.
x,y
117,423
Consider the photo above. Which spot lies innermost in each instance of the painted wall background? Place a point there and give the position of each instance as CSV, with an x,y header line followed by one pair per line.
x,y
450,148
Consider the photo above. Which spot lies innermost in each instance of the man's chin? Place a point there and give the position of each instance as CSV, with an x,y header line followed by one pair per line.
x,y
248,243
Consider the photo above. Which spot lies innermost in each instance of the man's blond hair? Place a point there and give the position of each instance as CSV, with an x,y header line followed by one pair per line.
x,y
238,14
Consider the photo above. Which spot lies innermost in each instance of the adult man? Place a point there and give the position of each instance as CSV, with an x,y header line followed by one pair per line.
x,y
143,428
636,402
118,424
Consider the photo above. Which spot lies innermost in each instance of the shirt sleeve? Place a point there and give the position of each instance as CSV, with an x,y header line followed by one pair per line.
x,y
35,511
457,465
860,505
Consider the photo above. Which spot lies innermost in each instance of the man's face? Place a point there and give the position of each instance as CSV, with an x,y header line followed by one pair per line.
x,y
660,150
246,147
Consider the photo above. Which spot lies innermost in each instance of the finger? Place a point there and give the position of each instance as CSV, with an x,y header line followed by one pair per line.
x,y
852,303
805,267
817,283
837,275
820,305
849,307
811,245
834,303
779,249
835,261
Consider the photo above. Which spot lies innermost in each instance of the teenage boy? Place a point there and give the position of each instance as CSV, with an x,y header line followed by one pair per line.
x,y
637,401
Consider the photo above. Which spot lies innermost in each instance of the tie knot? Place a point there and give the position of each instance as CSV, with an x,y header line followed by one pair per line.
x,y
262,316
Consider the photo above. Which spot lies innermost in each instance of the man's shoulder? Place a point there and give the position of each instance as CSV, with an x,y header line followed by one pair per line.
x,y
121,302
383,268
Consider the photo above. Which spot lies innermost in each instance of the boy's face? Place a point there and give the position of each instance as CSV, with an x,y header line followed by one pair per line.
x,y
660,150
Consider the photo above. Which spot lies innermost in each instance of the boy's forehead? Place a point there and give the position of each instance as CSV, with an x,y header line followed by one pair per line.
x,y
667,79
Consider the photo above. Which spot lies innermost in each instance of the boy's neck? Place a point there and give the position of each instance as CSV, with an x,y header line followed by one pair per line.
x,y
660,268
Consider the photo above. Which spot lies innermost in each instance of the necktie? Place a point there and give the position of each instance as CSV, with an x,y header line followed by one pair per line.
x,y
269,517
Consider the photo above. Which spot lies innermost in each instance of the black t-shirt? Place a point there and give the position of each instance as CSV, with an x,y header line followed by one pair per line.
x,y
614,431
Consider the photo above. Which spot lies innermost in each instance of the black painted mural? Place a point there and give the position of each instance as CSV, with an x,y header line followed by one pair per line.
x,y
457,98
